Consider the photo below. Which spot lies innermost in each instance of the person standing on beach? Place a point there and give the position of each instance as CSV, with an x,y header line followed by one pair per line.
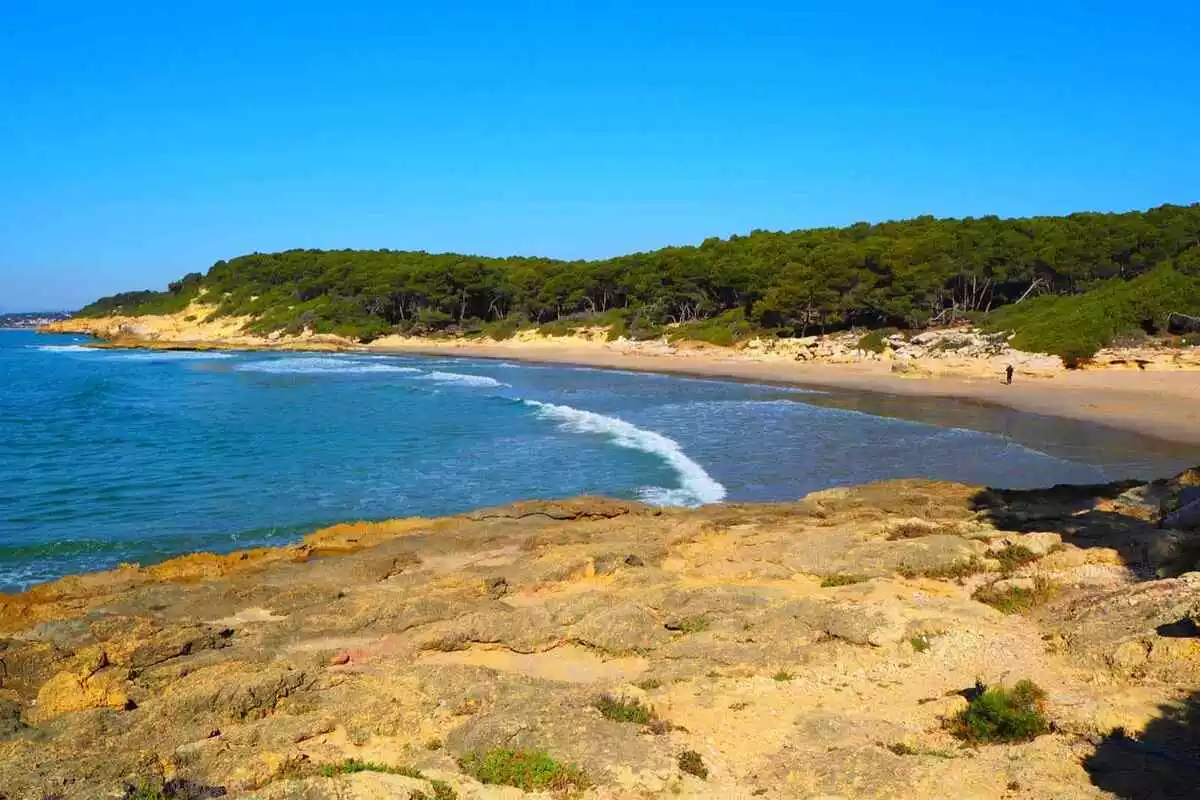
x,y
1008,373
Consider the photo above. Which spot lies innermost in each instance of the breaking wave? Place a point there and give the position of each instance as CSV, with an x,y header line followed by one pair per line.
x,y
696,486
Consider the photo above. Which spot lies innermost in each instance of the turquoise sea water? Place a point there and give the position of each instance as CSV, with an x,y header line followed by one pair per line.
x,y
117,456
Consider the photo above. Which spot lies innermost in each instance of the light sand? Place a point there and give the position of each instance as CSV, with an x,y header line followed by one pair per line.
x,y
1161,401
1162,404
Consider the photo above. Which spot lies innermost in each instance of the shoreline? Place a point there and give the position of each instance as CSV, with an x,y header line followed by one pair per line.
x,y
1162,404
1112,398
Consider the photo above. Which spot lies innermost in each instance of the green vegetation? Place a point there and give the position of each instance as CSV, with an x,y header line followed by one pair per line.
x,y
1013,557
693,764
875,341
621,709
841,580
956,571
648,684
921,642
689,624
353,765
1002,715
1016,600
1066,285
1076,326
531,770
783,675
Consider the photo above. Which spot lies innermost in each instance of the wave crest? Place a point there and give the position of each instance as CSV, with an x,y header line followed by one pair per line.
x,y
319,366
460,379
696,486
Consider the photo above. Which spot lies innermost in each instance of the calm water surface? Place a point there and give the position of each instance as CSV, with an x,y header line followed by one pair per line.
x,y
115,456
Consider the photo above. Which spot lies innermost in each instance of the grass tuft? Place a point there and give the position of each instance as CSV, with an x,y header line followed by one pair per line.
x,y
531,770
620,709
841,580
1002,715
956,571
1015,600
352,765
1013,557
783,675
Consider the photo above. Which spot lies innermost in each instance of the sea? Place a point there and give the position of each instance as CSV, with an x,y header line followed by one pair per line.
x,y
132,456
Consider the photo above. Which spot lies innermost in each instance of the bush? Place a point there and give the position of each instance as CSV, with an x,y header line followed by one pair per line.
x,y
724,329
501,329
1013,557
1002,715
1075,327
531,770
624,710
875,341
692,763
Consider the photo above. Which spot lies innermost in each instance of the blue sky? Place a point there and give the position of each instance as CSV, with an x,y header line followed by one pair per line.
x,y
140,141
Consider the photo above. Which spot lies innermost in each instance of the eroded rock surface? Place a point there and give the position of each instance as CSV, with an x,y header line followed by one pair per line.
x,y
804,650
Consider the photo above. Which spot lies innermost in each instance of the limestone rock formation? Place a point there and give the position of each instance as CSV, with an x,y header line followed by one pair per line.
x,y
790,650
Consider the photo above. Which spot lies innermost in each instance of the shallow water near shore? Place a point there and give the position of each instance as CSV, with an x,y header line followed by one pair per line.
x,y
111,456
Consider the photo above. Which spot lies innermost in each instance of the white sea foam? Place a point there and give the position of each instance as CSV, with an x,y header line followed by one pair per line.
x,y
696,487
64,348
459,379
171,355
319,366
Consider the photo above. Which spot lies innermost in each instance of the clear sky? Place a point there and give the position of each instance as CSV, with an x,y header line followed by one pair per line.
x,y
140,141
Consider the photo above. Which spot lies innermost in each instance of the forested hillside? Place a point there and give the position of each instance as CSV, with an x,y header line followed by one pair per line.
x,y
905,274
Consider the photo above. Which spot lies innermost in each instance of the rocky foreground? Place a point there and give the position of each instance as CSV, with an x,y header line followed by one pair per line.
x,y
813,649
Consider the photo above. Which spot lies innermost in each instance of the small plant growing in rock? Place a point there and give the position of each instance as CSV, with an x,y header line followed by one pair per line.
x,y
693,764
620,709
648,684
956,571
1016,599
531,770
783,675
352,765
433,744
998,714
921,642
841,580
1013,557
689,624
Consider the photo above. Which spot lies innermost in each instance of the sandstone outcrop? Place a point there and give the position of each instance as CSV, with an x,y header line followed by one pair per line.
x,y
798,650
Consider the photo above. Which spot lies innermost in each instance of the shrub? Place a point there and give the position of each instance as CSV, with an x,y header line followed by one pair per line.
x,y
1074,327
783,675
841,580
724,329
621,709
648,684
501,329
1014,599
1002,715
693,764
1013,557
531,770
921,642
875,341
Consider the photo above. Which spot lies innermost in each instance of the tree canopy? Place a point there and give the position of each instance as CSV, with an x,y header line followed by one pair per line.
x,y
903,273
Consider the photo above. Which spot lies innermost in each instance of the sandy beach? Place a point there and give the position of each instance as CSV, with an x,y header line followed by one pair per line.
x,y
1161,400
1161,404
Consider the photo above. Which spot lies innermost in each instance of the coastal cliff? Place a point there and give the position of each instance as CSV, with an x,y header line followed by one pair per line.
x,y
823,648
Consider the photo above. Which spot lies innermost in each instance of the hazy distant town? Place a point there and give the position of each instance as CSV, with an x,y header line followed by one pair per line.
x,y
31,319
